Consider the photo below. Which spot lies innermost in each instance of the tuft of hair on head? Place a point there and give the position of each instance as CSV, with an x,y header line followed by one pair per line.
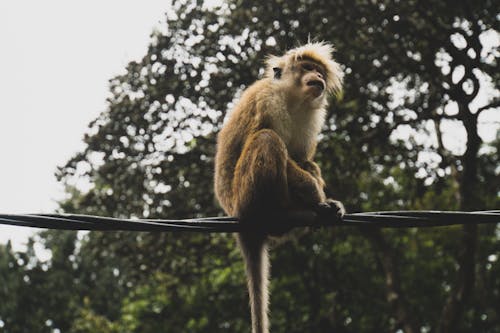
x,y
319,52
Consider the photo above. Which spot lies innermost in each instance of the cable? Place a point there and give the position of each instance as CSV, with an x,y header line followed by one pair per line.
x,y
385,219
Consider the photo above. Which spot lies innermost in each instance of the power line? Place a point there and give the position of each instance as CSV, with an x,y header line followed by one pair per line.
x,y
387,219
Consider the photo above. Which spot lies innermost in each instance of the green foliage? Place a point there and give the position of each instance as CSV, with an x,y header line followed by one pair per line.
x,y
150,154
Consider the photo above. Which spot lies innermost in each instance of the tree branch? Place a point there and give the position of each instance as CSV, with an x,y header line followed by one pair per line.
x,y
494,104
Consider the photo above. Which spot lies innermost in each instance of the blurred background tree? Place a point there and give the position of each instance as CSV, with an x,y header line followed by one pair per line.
x,y
416,72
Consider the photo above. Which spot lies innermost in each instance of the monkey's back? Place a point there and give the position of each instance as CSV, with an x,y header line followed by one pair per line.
x,y
245,119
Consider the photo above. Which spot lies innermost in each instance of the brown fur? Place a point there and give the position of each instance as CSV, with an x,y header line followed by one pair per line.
x,y
264,156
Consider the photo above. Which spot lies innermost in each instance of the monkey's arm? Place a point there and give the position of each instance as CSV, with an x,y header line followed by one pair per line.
x,y
304,188
326,205
314,170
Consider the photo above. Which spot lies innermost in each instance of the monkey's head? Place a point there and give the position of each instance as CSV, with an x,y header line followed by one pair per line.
x,y
308,71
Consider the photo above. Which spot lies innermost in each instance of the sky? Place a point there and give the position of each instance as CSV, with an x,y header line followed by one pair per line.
x,y
56,57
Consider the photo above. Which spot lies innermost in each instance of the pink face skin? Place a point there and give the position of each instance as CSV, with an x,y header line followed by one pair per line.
x,y
313,78
305,81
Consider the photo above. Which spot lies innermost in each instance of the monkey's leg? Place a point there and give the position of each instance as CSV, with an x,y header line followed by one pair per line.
x,y
260,178
260,187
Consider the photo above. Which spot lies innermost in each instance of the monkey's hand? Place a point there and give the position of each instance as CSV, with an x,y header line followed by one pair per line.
x,y
330,209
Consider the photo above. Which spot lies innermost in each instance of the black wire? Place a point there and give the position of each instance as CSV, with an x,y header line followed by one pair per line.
x,y
387,219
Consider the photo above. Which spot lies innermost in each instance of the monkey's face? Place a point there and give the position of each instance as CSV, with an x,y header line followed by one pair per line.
x,y
311,79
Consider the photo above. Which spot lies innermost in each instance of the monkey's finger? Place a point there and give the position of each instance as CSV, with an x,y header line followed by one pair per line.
x,y
337,206
330,209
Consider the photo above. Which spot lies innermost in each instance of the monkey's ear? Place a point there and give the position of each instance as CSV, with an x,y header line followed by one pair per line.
x,y
277,72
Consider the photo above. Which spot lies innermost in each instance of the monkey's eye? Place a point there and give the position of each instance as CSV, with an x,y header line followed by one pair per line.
x,y
277,72
307,67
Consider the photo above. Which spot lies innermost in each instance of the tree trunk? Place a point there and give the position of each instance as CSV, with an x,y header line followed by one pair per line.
x,y
463,289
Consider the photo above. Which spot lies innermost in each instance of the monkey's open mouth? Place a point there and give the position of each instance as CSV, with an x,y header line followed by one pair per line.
x,y
316,83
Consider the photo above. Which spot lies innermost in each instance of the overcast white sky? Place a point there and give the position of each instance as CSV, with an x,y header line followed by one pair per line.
x,y
56,57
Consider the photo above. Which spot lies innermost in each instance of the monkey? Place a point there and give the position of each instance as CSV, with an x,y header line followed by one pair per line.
x,y
264,156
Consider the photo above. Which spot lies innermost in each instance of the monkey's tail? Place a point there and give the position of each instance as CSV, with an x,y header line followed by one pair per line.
x,y
254,248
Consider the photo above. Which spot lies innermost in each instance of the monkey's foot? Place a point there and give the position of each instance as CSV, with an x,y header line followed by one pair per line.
x,y
330,209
